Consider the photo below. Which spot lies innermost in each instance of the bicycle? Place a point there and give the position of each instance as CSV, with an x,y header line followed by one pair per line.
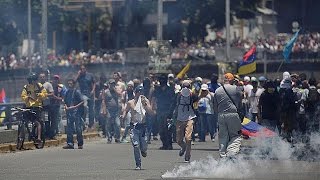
x,y
27,127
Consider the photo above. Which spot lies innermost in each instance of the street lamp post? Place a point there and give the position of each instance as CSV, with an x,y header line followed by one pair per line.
x,y
29,35
44,25
160,20
228,30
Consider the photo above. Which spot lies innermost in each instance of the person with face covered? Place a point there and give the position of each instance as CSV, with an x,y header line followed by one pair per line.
x,y
185,115
268,106
138,108
163,97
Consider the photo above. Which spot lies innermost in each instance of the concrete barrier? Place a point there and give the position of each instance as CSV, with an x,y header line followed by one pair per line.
x,y
11,147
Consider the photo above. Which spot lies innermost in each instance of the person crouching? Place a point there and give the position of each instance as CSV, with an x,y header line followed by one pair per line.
x,y
138,108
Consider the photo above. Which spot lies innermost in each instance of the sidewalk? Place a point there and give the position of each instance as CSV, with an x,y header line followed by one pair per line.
x,y
11,147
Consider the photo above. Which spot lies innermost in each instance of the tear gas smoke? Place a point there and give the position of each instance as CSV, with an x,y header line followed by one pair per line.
x,y
253,159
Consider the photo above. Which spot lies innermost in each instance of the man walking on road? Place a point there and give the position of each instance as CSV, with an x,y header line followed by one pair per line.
x,y
138,108
227,100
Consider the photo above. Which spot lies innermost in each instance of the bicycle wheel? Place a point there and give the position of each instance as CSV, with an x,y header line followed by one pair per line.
x,y
43,139
21,135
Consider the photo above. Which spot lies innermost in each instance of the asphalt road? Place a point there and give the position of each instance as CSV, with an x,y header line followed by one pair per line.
x,y
99,160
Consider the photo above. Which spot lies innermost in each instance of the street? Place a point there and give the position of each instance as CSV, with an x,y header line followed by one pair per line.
x,y
99,160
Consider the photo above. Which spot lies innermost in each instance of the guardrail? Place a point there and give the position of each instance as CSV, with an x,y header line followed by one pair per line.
x,y
9,121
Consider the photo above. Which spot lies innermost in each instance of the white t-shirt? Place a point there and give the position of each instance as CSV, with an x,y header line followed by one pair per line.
x,y
253,98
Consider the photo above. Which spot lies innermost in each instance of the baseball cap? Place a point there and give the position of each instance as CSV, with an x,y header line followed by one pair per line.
x,y
247,79
138,89
111,81
254,79
56,76
204,87
170,76
198,79
130,83
229,76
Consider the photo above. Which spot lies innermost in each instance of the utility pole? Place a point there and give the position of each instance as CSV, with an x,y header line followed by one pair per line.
x,y
29,35
228,30
160,20
44,30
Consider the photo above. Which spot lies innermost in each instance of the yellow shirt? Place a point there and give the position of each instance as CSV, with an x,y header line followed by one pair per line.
x,y
37,92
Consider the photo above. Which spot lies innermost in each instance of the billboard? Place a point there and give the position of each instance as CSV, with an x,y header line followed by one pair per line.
x,y
159,56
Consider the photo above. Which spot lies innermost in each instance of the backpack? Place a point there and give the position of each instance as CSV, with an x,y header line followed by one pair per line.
x,y
202,104
312,99
190,104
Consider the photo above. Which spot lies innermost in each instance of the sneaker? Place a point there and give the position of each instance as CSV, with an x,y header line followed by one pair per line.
x,y
109,141
192,142
187,160
182,151
144,153
213,140
124,141
149,142
80,147
68,146
138,168
117,141
155,138
170,148
223,155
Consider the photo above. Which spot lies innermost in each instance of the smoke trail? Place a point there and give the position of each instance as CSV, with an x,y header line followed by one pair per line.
x,y
253,160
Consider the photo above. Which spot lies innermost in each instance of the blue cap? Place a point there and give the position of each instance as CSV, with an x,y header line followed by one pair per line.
x,y
262,78
138,89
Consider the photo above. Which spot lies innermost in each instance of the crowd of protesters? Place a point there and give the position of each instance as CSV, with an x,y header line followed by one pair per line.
x,y
184,110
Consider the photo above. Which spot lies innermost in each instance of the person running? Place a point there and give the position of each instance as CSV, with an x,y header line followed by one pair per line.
x,y
138,108
185,116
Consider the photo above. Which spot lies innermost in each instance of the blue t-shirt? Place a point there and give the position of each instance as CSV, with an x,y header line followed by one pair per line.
x,y
85,83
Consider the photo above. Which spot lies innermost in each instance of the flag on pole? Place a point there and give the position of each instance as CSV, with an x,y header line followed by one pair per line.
x,y
183,72
288,48
248,64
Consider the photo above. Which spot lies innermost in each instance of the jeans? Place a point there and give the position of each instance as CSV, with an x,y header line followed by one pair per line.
x,y
149,121
89,103
74,119
207,122
139,143
127,125
113,126
54,113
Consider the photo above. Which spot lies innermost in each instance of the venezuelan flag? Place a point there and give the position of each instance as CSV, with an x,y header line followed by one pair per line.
x,y
253,129
248,63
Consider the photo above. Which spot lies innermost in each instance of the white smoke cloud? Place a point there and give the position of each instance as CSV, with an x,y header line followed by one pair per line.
x,y
254,159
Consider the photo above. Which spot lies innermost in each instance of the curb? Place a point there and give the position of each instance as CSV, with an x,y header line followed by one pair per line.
x,y
11,147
